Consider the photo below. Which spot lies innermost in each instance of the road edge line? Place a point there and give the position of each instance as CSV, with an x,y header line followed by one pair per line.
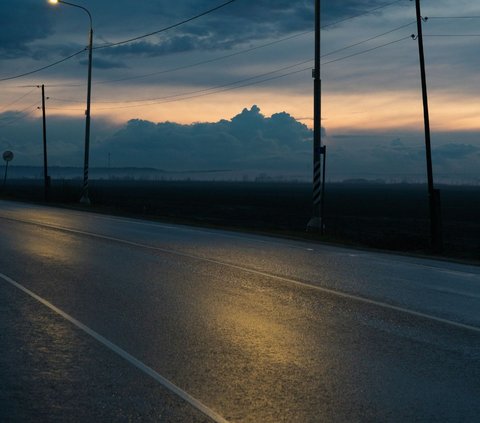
x,y
122,353
307,285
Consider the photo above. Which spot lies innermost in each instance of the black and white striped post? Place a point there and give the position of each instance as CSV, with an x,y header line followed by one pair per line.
x,y
316,223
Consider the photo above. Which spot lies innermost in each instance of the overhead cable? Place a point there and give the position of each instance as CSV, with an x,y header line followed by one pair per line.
x,y
362,13
146,102
215,59
166,28
454,17
44,67
17,100
452,35
322,56
366,51
229,87
195,64
24,116
119,43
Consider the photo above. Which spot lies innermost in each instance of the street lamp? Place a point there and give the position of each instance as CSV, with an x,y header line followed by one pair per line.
x,y
85,197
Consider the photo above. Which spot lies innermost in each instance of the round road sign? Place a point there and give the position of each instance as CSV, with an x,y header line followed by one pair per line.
x,y
8,156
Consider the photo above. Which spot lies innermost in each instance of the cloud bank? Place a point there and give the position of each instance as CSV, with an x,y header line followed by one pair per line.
x,y
249,142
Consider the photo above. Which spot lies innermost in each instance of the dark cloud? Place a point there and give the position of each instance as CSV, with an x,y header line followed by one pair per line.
x,y
102,63
22,23
236,25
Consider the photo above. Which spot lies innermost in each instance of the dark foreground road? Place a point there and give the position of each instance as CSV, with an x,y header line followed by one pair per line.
x,y
108,319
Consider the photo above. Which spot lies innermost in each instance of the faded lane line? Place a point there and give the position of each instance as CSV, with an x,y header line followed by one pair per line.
x,y
265,274
122,353
177,227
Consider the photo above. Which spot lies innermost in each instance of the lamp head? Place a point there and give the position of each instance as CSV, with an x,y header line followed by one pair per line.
x,y
53,1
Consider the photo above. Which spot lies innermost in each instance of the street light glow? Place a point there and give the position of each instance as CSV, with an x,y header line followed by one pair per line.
x,y
53,1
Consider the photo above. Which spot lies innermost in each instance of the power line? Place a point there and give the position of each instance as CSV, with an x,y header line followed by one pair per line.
x,y
166,28
17,100
216,92
195,64
278,70
202,93
361,14
24,116
454,17
368,39
146,102
195,96
119,43
26,108
203,62
366,51
44,67
178,68
452,35
225,4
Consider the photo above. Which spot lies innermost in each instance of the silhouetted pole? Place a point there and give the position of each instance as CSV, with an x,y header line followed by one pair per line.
x,y
316,222
45,166
433,194
85,194
5,174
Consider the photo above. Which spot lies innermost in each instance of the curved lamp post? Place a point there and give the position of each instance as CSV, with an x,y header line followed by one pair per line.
x,y
85,197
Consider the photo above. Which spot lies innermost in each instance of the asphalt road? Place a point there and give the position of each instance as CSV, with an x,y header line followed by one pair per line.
x,y
113,319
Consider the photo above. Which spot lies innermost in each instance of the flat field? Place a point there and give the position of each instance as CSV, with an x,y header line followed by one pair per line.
x,y
393,217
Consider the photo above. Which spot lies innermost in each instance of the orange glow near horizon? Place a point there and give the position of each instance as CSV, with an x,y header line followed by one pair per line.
x,y
341,112
353,112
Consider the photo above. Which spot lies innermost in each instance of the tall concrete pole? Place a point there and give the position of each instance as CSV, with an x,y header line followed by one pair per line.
x,y
85,192
316,222
433,194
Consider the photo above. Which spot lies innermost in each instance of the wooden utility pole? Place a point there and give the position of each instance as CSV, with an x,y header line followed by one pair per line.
x,y
433,194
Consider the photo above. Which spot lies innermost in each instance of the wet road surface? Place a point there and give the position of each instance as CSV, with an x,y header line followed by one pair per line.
x,y
255,329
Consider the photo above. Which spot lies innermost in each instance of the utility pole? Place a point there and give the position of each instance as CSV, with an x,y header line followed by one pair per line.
x,y
433,194
316,223
45,166
85,199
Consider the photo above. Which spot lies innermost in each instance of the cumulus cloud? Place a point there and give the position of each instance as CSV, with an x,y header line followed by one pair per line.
x,y
249,140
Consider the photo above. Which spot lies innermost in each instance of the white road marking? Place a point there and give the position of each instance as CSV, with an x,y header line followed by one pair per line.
x,y
122,353
265,274
179,227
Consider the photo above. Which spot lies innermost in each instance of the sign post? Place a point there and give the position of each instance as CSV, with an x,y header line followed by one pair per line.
x,y
8,157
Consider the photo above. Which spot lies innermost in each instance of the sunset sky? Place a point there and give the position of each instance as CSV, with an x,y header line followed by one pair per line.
x,y
253,56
